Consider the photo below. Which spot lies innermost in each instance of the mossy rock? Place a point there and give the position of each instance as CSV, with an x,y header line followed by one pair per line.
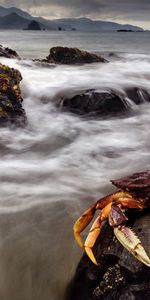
x,y
11,111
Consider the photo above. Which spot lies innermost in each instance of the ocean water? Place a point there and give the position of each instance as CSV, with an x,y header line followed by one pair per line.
x,y
56,167
37,44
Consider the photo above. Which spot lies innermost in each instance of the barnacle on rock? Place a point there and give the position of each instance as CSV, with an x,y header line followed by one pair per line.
x,y
112,279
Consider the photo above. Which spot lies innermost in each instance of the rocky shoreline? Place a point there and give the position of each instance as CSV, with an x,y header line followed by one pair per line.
x,y
89,103
119,275
11,111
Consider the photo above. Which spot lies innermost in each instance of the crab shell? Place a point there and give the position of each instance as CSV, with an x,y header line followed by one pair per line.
x,y
137,183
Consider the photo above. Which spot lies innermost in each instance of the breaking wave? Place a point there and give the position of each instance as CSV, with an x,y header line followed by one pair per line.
x,y
53,169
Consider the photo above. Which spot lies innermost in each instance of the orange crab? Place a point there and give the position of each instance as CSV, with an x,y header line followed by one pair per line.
x,y
134,193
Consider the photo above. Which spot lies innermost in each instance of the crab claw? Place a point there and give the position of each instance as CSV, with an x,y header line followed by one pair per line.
x,y
132,243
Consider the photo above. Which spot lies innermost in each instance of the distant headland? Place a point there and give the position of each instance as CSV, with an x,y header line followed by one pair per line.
x,y
15,18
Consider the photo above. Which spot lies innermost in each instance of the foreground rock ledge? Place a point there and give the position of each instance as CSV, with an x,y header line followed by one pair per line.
x,y
71,56
11,111
120,276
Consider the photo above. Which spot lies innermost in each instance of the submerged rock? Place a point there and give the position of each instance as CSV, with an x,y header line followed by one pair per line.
x,y
8,53
71,56
138,95
119,275
95,103
109,103
11,111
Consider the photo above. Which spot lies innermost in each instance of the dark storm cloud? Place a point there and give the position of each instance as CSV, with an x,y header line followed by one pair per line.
x,y
137,10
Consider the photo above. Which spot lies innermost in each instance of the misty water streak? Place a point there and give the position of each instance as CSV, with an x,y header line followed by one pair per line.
x,y
53,169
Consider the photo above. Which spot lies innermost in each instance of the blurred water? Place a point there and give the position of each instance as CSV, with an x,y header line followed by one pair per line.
x,y
37,44
57,166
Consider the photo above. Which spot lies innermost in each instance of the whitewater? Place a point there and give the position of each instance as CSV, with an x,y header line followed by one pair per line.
x,y
60,163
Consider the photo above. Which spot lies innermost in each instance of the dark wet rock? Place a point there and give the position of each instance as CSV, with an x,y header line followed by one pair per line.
x,y
11,111
40,63
95,103
8,53
71,56
138,95
119,275
109,103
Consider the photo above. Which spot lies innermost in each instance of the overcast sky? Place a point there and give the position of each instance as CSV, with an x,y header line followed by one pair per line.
x,y
123,11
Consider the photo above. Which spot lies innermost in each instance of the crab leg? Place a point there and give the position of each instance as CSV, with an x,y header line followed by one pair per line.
x,y
91,239
87,217
127,202
82,223
95,231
